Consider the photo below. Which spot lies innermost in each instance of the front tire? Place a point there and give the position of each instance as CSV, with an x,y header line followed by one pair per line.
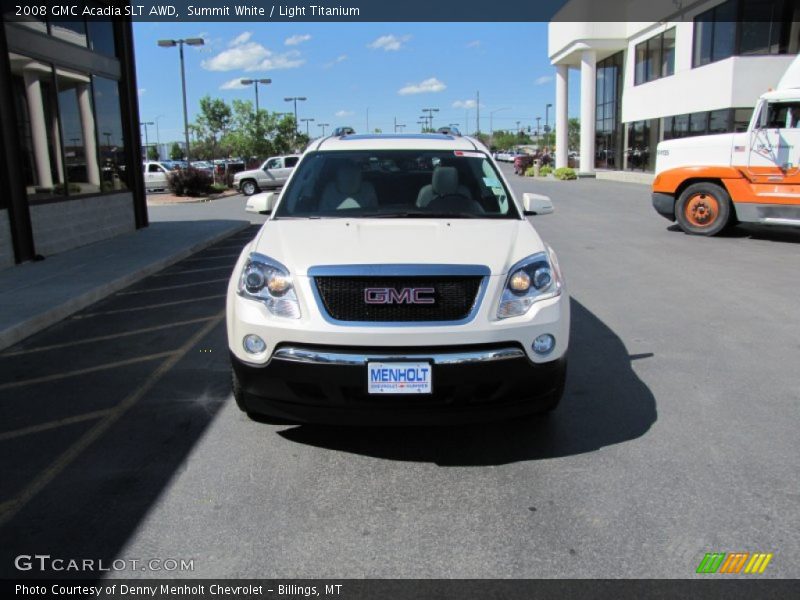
x,y
703,209
249,187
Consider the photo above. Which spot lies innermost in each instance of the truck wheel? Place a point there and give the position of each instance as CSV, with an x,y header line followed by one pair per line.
x,y
703,209
249,187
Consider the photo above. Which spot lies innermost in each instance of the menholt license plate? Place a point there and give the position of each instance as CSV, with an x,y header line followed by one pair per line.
x,y
399,378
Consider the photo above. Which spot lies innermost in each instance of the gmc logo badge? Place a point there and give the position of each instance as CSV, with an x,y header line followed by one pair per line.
x,y
423,295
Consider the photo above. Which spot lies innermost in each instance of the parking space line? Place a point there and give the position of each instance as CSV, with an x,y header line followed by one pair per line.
x,y
104,338
148,307
11,507
162,274
166,288
104,367
90,416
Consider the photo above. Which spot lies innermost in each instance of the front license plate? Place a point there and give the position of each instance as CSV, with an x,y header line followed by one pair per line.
x,y
399,378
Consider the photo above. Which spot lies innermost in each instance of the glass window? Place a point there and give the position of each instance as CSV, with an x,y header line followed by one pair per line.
x,y
719,121
698,123
114,173
78,133
290,161
101,37
38,127
396,184
680,126
273,163
640,75
668,53
653,63
741,119
73,32
783,115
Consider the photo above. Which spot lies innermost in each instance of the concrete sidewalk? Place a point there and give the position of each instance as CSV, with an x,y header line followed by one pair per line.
x,y
35,295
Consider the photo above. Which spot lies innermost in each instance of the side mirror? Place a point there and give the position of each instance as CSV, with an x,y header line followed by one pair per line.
x,y
263,203
536,204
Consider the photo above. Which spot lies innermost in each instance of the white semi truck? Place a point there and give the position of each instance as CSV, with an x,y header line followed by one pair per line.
x,y
710,182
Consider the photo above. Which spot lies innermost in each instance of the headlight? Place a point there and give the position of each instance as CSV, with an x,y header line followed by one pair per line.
x,y
267,280
530,280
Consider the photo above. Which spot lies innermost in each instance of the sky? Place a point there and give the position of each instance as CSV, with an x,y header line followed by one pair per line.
x,y
350,70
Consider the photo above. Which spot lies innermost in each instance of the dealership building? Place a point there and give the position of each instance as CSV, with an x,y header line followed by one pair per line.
x,y
697,69
69,123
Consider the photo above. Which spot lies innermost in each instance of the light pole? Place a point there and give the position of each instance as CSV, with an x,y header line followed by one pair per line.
x,y
537,125
254,83
323,125
491,119
146,141
180,43
547,121
430,112
307,121
158,137
295,99
422,124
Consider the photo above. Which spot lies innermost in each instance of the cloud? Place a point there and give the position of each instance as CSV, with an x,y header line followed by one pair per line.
x,y
423,87
241,38
297,39
344,113
474,44
233,84
465,104
389,42
543,79
335,61
252,56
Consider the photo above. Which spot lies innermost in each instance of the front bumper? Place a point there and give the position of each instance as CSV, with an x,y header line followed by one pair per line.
x,y
319,384
664,205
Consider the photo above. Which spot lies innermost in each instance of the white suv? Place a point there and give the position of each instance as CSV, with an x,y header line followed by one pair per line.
x,y
398,281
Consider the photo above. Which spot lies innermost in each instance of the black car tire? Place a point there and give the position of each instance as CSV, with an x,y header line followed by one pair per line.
x,y
703,209
249,187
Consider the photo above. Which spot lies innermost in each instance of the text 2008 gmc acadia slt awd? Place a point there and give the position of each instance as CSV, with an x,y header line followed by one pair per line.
x,y
398,281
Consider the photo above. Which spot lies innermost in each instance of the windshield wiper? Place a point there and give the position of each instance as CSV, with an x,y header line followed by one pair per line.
x,y
420,214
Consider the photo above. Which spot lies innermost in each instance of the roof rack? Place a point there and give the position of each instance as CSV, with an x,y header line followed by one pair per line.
x,y
448,131
342,131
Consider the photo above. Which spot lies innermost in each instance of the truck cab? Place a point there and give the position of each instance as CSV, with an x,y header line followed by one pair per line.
x,y
711,182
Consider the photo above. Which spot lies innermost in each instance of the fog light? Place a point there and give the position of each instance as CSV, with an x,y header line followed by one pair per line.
x,y
254,344
544,344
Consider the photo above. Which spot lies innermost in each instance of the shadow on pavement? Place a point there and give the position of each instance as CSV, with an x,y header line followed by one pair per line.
x,y
605,403
768,233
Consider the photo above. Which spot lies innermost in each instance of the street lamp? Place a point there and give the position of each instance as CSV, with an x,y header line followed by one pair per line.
x,y
491,119
323,125
254,83
295,99
146,141
307,121
422,124
180,43
537,125
430,112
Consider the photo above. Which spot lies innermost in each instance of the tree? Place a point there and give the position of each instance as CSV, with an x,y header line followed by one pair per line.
x,y
574,133
176,152
212,123
152,153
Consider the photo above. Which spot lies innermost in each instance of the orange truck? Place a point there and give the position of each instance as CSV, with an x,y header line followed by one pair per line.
x,y
708,183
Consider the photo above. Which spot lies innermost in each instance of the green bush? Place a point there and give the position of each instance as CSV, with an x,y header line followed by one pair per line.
x,y
545,171
189,182
529,172
217,188
564,173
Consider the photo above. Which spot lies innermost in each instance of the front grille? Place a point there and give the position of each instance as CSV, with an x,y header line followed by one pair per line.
x,y
343,298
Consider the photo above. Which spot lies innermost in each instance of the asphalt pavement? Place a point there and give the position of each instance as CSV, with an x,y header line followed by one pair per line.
x,y
677,435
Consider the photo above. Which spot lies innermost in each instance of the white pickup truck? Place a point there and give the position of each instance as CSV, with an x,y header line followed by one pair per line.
x,y
398,280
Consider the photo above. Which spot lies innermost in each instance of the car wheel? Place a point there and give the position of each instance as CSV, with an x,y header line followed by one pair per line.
x,y
249,188
703,209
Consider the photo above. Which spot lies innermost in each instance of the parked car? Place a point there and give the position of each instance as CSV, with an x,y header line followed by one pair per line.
x,y
156,176
377,291
272,173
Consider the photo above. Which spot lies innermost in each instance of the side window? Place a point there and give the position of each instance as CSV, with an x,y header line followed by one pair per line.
x,y
783,115
290,161
154,169
273,163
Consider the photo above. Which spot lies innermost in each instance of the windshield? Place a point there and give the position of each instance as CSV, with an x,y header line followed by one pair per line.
x,y
397,183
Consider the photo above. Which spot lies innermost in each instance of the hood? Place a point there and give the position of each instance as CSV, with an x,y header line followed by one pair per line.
x,y
248,173
704,150
304,243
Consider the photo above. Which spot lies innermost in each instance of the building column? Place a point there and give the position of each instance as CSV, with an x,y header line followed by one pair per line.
x,y
41,154
562,118
588,91
89,135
